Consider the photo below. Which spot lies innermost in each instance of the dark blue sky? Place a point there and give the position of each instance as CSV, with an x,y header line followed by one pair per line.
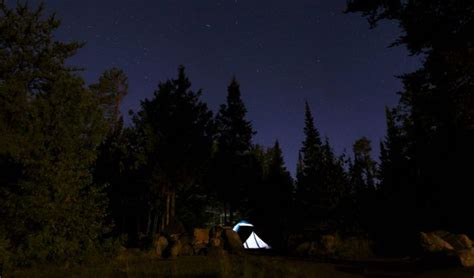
x,y
282,52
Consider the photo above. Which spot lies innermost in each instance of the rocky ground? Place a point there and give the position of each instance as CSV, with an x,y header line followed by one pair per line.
x,y
218,252
134,263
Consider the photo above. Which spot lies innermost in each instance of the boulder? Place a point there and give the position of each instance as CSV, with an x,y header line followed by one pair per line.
x,y
444,248
199,249
303,249
215,242
160,243
466,257
176,249
294,240
464,241
186,239
457,241
327,245
186,250
232,242
430,242
174,237
200,236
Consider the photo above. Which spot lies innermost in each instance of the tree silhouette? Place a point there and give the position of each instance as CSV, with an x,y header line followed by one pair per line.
x,y
436,108
51,126
176,131
362,174
232,159
320,180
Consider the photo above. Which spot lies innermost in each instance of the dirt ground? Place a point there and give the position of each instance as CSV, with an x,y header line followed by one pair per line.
x,y
136,264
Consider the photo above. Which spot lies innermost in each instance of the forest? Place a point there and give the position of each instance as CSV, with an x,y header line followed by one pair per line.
x,y
76,182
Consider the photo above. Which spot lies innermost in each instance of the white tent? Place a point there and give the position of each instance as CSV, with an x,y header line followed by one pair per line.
x,y
253,241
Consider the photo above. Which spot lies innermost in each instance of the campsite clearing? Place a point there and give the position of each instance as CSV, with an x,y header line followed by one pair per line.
x,y
138,264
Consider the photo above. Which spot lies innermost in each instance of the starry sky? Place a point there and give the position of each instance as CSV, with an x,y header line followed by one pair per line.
x,y
282,52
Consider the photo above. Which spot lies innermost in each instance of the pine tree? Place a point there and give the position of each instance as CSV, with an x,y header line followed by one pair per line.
x,y
436,108
363,170
362,173
233,159
51,126
310,160
235,132
110,168
176,130
278,198
320,180
111,89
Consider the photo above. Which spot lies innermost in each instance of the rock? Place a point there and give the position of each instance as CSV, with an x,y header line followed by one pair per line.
x,y
444,248
199,249
232,242
186,239
186,250
294,240
216,232
430,242
215,242
176,249
458,242
174,237
200,236
328,245
466,257
160,243
303,249
465,241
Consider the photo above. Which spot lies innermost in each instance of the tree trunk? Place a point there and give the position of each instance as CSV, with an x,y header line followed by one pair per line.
x,y
155,224
162,225
231,215
172,206
167,211
148,224
225,213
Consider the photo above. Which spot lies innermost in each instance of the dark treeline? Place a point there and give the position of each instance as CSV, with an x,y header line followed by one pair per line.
x,y
74,179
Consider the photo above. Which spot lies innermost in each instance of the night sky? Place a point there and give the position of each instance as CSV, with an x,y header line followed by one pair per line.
x,y
282,52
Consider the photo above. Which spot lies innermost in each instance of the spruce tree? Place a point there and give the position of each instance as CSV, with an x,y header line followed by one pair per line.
x,y
363,170
176,130
278,198
310,161
321,181
233,159
436,108
111,89
362,174
51,125
235,132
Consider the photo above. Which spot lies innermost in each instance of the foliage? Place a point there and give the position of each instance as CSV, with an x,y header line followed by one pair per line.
x,y
232,161
111,89
175,130
271,199
361,198
51,126
321,181
425,158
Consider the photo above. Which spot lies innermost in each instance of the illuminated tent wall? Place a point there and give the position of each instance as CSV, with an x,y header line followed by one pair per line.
x,y
253,241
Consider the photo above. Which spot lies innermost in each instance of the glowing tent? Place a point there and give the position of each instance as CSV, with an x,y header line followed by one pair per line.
x,y
253,241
